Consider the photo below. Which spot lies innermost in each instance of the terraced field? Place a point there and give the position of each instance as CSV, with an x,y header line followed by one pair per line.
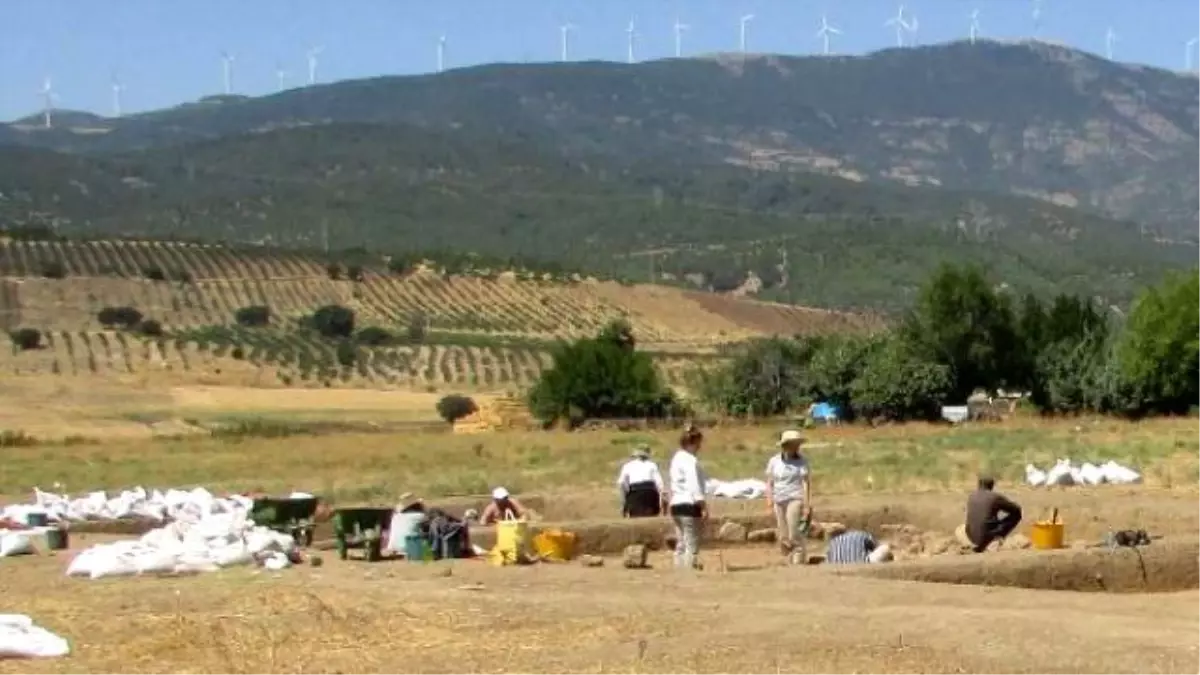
x,y
485,332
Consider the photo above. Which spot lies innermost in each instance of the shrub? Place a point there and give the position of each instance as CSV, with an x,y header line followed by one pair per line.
x,y
334,321
347,354
454,407
895,384
766,377
601,377
154,273
122,317
150,328
53,269
181,275
253,316
238,353
355,273
374,336
334,271
27,338
417,322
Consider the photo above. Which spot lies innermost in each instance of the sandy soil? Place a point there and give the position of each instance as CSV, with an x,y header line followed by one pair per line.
x,y
754,616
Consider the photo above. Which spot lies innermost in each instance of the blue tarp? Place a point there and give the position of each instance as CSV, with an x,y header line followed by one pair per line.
x,y
825,411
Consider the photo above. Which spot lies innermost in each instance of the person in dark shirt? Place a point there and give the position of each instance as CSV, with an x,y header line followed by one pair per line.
x,y
984,522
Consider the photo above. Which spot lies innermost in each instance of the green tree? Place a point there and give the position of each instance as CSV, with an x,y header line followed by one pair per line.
x,y
765,377
960,322
454,407
601,377
896,384
334,321
1160,348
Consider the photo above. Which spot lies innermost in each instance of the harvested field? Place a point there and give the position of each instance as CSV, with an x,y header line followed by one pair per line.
x,y
745,612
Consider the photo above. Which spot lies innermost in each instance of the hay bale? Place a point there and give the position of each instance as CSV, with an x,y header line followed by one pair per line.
x,y
591,561
635,557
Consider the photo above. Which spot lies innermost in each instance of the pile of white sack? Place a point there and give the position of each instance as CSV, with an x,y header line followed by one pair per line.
x,y
1065,473
21,638
136,502
748,488
204,532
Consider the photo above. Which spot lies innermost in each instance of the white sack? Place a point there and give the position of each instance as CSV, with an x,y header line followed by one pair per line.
x,y
20,638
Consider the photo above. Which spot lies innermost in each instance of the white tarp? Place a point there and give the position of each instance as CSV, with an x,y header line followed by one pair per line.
x,y
749,488
1065,473
21,638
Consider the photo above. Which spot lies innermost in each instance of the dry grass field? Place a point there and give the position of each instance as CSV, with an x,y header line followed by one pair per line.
x,y
488,334
743,613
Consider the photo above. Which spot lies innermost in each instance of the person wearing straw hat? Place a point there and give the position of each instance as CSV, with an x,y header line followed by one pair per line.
x,y
640,485
789,490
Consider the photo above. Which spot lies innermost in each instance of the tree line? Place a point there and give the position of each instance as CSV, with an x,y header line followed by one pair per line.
x,y
964,334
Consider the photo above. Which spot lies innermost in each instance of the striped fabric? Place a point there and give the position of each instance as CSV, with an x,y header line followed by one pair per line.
x,y
851,546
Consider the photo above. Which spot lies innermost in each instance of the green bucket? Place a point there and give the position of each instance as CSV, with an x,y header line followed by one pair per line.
x,y
57,539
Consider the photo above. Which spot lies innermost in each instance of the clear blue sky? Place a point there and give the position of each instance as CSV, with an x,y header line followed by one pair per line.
x,y
168,51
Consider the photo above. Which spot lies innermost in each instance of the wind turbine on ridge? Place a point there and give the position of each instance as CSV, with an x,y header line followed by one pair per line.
x,y
974,25
117,88
280,77
1110,37
565,40
48,96
312,64
227,71
441,53
631,33
824,33
1187,53
901,25
746,19
679,28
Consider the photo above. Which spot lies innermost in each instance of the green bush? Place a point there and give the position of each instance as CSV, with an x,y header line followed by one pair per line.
x,y
53,269
374,336
766,377
895,384
346,354
334,321
415,333
154,273
119,317
454,407
601,377
253,316
334,271
1159,351
151,328
27,338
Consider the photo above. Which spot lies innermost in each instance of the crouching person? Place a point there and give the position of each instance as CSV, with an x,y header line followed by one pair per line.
x,y
641,486
990,516
856,547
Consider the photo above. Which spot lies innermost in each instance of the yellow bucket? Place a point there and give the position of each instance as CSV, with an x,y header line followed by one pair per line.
x,y
556,545
1046,535
512,542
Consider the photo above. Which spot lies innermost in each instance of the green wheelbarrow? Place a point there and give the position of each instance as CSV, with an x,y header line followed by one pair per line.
x,y
361,528
290,515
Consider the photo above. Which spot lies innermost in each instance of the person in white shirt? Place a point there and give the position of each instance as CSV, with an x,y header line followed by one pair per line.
x,y
789,491
687,506
641,486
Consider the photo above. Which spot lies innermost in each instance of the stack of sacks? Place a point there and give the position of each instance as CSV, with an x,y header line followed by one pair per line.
x,y
1065,473
195,542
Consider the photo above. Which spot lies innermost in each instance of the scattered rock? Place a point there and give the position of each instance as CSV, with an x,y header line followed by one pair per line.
x,y
591,561
635,557
1015,542
814,559
316,560
764,536
941,545
731,532
914,548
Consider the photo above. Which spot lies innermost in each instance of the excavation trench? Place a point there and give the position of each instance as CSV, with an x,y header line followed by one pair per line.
x,y
1165,565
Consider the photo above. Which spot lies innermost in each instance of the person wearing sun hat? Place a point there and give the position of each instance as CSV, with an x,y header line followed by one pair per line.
x,y
789,490
503,505
641,485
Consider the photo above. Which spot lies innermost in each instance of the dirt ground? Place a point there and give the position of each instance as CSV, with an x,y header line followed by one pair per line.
x,y
743,613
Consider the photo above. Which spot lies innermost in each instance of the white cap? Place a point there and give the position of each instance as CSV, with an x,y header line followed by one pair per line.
x,y
789,436
500,493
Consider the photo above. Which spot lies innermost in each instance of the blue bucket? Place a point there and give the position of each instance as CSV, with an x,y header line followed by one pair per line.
x,y
414,548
